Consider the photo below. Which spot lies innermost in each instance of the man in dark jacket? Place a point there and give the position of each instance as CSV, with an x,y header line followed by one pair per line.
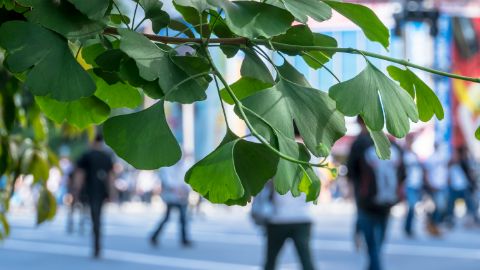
x,y
94,171
376,184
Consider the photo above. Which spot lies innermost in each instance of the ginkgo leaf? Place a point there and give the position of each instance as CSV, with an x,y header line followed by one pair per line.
x,y
62,17
46,206
233,172
427,102
254,19
254,67
51,68
309,184
153,11
93,9
314,113
377,99
153,146
365,18
200,5
118,95
244,87
80,113
302,9
154,63
477,133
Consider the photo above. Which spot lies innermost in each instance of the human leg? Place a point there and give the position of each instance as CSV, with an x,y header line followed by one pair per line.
x,y
166,217
276,236
301,239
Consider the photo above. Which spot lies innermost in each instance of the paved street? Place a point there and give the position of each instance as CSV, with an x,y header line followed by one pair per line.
x,y
224,238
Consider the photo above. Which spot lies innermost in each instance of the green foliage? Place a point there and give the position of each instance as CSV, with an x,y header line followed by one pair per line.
x,y
254,19
365,18
46,206
376,90
81,59
52,69
477,133
154,144
427,102
249,165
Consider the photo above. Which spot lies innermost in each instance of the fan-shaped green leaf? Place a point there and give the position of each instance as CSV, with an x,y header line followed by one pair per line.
x,y
233,172
93,9
153,63
243,88
365,18
314,113
427,102
118,95
377,99
52,69
302,9
80,113
62,17
153,11
382,144
254,19
254,67
143,139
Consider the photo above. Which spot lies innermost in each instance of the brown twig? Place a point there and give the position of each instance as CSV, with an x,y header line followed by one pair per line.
x,y
178,40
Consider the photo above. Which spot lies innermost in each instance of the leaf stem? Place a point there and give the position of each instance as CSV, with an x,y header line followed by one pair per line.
x,y
221,102
364,53
121,14
135,14
323,66
139,24
254,132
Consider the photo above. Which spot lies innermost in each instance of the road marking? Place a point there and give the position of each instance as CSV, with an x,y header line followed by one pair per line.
x,y
124,256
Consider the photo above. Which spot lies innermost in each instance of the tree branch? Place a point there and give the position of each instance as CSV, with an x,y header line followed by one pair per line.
x,y
178,40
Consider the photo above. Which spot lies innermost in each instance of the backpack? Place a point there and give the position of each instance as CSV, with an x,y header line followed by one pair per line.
x,y
386,176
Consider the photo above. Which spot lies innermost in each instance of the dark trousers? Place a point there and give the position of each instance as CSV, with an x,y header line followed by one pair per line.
x,y
467,196
299,233
182,209
413,197
373,227
96,212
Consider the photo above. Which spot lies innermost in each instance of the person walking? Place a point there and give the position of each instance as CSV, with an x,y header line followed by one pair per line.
x,y
437,182
376,184
461,186
284,217
175,193
414,182
95,172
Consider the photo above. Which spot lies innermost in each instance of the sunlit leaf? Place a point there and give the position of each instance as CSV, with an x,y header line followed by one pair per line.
x,y
382,144
365,18
80,113
302,9
118,95
143,139
427,102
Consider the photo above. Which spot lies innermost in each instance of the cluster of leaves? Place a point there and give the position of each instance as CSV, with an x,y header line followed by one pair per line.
x,y
82,59
23,148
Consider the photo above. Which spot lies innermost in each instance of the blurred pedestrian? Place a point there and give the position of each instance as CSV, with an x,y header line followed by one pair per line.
x,y
461,186
94,172
414,182
437,183
284,217
175,193
376,185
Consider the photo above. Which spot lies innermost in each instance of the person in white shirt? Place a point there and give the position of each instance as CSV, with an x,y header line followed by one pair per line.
x,y
291,218
437,178
413,182
175,193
